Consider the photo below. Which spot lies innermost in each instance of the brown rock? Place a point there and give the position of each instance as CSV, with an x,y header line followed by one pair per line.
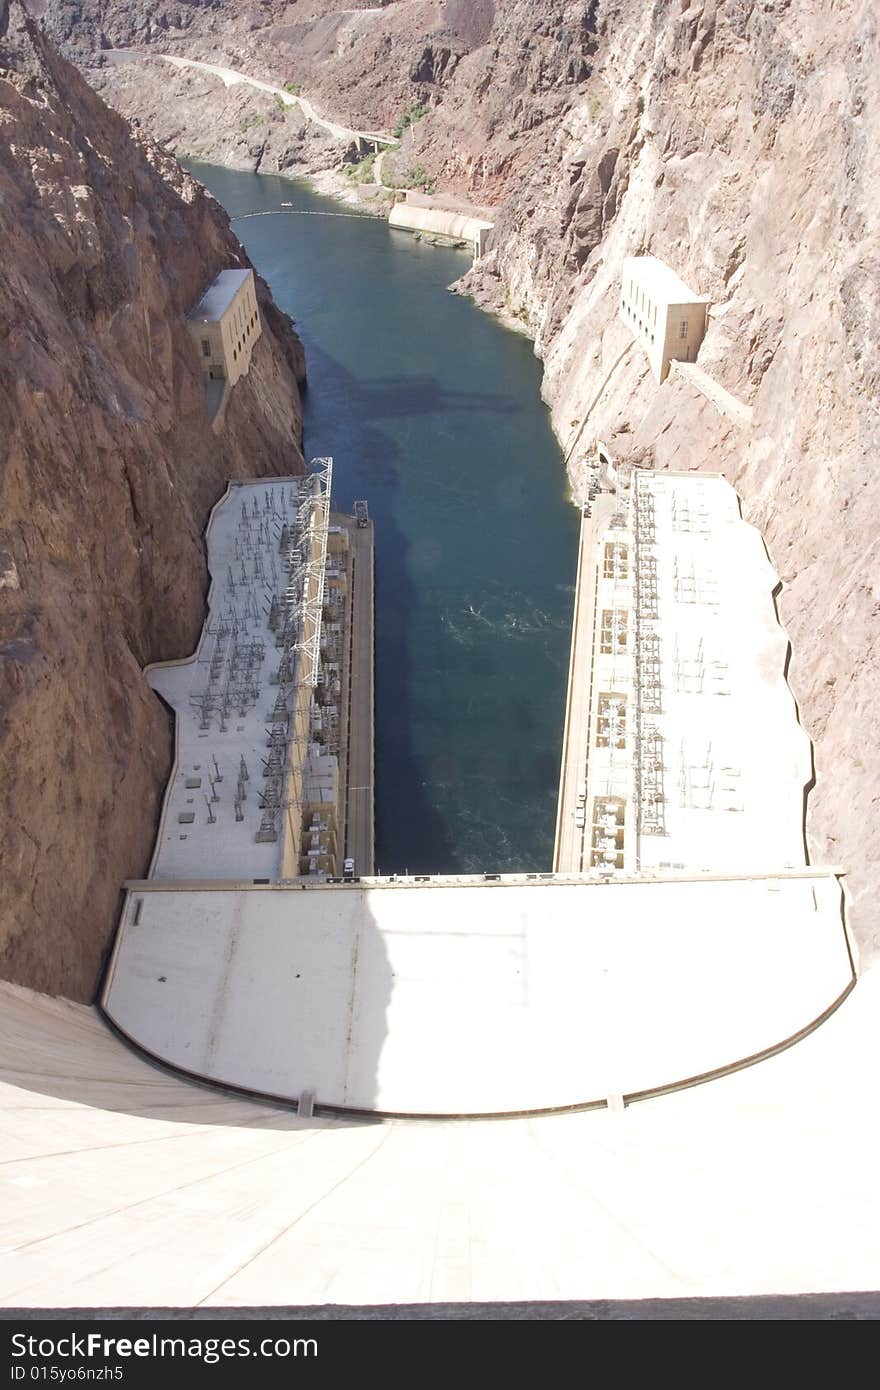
x,y
108,469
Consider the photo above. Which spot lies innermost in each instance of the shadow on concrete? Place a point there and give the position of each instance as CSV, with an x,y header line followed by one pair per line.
x,y
96,1058
53,1048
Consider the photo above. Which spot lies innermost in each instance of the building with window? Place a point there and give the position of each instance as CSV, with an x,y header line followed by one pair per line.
x,y
225,324
667,317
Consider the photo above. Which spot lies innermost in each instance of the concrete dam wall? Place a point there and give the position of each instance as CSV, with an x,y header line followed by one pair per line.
x,y
128,1186
439,222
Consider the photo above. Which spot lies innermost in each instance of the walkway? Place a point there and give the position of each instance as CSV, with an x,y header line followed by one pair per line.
x,y
359,821
570,839
724,401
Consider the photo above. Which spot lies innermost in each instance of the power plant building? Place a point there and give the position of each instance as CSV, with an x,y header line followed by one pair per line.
x,y
263,716
225,324
662,312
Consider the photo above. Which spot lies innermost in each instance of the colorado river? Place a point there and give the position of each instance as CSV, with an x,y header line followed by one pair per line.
x,y
432,412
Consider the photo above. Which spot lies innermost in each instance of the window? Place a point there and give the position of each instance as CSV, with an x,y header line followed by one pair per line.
x,y
616,564
611,721
683,328
206,348
615,625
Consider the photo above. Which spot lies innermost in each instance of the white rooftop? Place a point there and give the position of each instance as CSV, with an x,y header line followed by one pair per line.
x,y
681,653
660,280
713,942
218,296
737,759
467,997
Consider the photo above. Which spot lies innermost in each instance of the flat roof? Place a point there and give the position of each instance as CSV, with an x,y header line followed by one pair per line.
x,y
655,275
477,998
219,295
736,758
714,942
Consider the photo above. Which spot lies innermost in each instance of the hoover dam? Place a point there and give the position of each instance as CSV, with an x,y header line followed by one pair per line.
x,y
437,799
663,1018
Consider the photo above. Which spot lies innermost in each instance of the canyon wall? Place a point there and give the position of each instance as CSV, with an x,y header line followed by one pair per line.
x,y
496,77
736,139
108,469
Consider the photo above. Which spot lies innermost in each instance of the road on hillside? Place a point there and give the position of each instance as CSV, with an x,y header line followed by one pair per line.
x,y
231,77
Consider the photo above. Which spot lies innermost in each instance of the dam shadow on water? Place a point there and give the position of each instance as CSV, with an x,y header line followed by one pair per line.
x,y
411,833
432,412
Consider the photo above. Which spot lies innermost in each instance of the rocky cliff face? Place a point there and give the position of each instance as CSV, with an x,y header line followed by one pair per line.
x,y
496,76
108,469
736,139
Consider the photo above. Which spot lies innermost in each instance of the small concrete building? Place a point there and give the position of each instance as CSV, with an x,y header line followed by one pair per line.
x,y
667,317
225,324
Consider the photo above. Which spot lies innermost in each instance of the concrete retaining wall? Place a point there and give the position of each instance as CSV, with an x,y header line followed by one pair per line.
x,y
436,222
